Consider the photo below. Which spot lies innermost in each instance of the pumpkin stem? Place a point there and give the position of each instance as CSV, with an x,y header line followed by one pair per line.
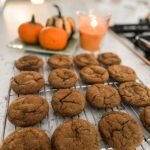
x,y
48,23
58,9
32,19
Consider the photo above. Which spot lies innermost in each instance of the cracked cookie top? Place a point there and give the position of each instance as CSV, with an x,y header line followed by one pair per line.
x,y
62,78
135,94
60,61
122,73
27,82
29,63
27,110
76,135
27,139
94,74
103,96
83,60
109,58
120,131
145,117
68,102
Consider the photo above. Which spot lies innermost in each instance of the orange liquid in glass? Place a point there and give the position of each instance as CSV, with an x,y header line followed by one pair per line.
x,y
91,36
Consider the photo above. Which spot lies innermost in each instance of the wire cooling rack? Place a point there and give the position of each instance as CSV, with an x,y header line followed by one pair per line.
x,y
89,113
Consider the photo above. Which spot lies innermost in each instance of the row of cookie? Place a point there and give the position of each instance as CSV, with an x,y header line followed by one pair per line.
x,y
119,130
71,102
29,82
32,62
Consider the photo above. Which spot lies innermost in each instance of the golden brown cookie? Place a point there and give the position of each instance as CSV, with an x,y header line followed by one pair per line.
x,y
68,102
27,110
60,61
109,59
122,73
75,135
120,131
62,78
94,74
27,139
103,96
29,63
135,94
83,60
145,117
27,82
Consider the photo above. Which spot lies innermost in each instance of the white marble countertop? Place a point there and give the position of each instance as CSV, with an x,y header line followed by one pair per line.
x,y
16,12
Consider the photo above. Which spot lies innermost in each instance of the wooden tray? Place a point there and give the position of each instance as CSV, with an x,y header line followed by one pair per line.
x,y
69,50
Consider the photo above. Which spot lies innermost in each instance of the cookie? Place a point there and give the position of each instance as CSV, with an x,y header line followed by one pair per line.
x,y
29,63
60,61
103,96
62,78
68,102
76,135
122,73
27,110
83,60
109,59
135,94
94,74
27,139
27,82
120,131
145,117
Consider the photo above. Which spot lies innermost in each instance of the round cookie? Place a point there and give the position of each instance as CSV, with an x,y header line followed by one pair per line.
x,y
27,139
120,131
68,102
94,74
62,78
103,96
60,61
122,73
29,63
83,60
27,110
76,135
135,94
27,82
109,59
145,117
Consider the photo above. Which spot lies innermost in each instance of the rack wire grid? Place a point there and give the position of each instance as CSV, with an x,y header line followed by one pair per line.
x,y
93,115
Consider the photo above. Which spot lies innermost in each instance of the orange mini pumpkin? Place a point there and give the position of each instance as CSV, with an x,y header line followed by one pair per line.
x,y
53,38
29,31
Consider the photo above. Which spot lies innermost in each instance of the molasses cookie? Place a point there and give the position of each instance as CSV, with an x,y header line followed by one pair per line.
x,y
27,82
83,60
145,117
122,73
120,131
109,59
103,96
68,102
76,135
135,94
27,110
27,139
62,78
94,74
29,63
60,61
